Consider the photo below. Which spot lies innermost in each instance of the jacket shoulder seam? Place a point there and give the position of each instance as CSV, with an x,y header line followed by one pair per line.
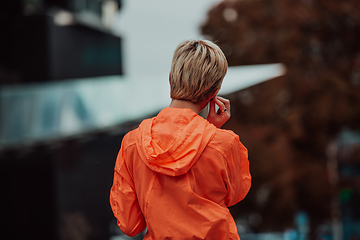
x,y
129,143
216,149
233,137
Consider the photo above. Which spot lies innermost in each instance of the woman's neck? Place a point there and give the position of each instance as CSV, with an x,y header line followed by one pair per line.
x,y
196,107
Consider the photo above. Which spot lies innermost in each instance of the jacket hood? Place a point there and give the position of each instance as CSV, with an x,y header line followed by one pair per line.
x,y
172,142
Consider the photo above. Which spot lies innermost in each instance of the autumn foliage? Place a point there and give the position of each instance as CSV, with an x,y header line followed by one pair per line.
x,y
288,123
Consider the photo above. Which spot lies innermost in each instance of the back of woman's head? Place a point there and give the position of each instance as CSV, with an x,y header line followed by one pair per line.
x,y
197,70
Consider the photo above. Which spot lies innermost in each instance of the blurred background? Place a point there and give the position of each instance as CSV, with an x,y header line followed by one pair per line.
x,y
77,75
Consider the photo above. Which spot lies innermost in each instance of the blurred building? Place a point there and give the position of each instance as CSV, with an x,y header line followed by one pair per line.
x,y
53,189
348,157
45,40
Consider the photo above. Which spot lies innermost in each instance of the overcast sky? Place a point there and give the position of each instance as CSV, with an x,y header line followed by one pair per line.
x,y
151,30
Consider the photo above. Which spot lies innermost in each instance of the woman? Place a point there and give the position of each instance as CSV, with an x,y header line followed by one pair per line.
x,y
177,173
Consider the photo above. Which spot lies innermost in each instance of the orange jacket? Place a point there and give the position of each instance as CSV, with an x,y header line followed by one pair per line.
x,y
176,175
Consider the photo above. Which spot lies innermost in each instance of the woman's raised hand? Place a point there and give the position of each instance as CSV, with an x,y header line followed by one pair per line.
x,y
219,117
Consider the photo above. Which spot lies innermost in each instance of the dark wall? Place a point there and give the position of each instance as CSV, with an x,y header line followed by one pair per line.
x,y
28,194
59,190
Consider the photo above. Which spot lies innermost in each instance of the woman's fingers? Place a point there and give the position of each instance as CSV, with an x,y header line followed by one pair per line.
x,y
222,115
223,103
220,105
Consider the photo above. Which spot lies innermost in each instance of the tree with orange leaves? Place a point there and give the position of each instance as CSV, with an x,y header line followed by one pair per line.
x,y
289,122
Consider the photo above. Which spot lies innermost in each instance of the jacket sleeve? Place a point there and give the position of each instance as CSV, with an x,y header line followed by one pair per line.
x,y
239,179
123,199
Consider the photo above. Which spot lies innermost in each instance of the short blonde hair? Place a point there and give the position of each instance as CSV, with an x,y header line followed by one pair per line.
x,y
197,70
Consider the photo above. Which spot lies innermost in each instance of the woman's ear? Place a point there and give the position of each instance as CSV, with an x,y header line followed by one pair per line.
x,y
215,93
